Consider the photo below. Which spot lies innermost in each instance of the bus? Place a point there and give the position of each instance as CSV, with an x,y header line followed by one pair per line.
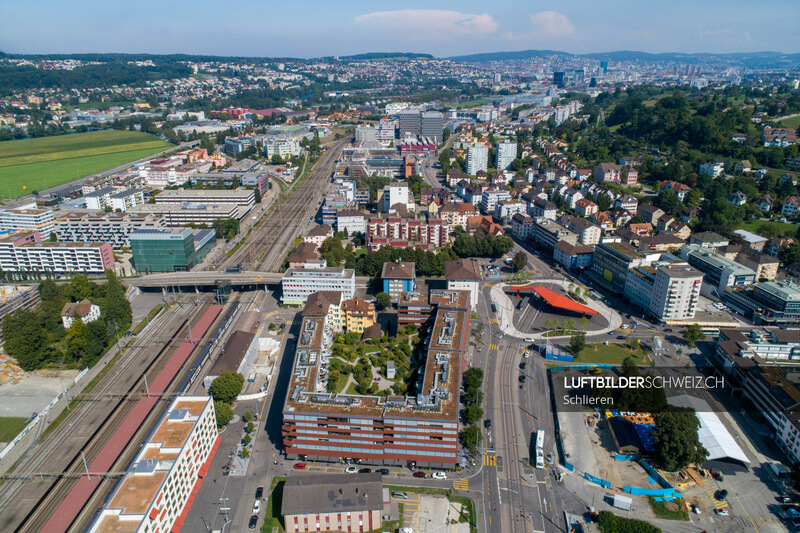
x,y
710,332
494,307
540,439
537,448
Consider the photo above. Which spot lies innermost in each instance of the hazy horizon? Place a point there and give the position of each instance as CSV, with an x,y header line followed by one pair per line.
x,y
320,29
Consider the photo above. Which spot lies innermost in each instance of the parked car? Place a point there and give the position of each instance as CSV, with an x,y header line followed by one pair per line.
x,y
253,522
785,499
439,475
383,471
522,365
487,423
299,466
722,512
621,337
256,506
400,494
721,494
351,470
259,493
522,378
364,470
419,473
526,354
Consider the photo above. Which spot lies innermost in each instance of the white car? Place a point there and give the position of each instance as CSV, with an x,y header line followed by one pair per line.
x,y
257,507
439,475
351,470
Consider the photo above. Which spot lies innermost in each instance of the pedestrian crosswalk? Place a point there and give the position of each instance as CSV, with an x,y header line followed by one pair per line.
x,y
489,459
494,347
487,284
461,484
492,321
271,313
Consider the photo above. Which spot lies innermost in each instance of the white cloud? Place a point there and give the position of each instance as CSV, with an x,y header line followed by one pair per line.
x,y
431,22
552,24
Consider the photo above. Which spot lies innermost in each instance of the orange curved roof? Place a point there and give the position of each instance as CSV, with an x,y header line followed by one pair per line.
x,y
557,300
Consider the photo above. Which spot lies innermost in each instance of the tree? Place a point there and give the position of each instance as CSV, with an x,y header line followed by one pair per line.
x,y
519,262
668,201
277,159
79,288
117,308
444,160
226,227
577,343
224,413
692,334
676,440
472,414
383,301
49,291
25,339
790,253
226,387
603,202
257,194
471,439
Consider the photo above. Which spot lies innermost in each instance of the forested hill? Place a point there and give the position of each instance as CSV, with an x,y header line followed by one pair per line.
x,y
15,77
746,59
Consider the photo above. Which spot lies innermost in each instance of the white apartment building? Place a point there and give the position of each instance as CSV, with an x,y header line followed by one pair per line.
x,y
506,153
522,226
298,283
126,200
490,199
112,228
669,291
286,148
506,209
352,221
15,220
55,258
397,193
477,159
157,486
464,275
99,198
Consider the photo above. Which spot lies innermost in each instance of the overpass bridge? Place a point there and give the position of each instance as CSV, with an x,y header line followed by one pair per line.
x,y
209,280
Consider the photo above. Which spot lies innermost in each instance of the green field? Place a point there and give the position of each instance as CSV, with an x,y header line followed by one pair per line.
x,y
473,103
50,161
613,354
793,122
10,426
784,227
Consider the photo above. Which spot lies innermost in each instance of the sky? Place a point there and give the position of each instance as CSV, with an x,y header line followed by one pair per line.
x,y
314,28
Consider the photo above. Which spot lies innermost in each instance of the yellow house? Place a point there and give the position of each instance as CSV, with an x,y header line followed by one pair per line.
x,y
357,315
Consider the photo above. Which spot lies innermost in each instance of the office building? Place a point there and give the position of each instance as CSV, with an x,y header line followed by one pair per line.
x,y
477,159
27,219
112,228
548,232
774,303
332,502
432,125
56,259
398,277
506,153
397,193
409,122
235,146
720,272
298,283
166,473
192,213
170,249
351,221
419,431
244,199
612,261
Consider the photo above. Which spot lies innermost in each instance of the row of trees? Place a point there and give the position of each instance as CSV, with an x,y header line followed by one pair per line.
x,y
224,390
473,398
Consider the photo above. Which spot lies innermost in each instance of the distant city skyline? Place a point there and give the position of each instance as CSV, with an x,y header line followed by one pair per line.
x,y
313,28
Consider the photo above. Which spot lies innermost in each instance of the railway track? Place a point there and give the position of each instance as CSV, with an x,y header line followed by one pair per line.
x,y
274,234
51,465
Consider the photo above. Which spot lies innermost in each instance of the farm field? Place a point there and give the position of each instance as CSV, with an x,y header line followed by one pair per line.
x,y
50,161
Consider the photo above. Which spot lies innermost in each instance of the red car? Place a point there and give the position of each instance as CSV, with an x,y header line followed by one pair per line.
x,y
419,474
299,466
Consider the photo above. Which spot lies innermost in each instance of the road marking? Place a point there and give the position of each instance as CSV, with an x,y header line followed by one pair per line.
x,y
271,313
492,321
487,284
489,459
461,484
494,347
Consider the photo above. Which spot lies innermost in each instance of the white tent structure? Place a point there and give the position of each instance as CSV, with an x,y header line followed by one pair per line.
x,y
713,434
